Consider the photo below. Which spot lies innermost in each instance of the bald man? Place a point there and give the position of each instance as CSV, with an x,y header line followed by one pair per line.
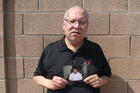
x,y
73,49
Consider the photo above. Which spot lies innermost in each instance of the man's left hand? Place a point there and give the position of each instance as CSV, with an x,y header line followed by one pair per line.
x,y
94,80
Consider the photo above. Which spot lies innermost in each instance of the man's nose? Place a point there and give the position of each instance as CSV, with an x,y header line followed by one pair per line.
x,y
77,25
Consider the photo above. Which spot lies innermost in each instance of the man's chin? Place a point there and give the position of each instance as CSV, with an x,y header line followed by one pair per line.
x,y
74,39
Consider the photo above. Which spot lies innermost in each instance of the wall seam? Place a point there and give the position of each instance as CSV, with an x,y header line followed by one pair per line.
x,y
5,64
22,25
23,68
109,23
127,4
130,45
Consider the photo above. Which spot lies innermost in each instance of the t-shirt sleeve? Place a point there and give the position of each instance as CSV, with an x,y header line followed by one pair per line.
x,y
40,67
106,70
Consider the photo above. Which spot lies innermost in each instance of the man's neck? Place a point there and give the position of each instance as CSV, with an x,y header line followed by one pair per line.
x,y
74,46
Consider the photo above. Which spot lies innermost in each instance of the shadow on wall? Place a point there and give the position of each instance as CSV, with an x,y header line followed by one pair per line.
x,y
9,47
117,85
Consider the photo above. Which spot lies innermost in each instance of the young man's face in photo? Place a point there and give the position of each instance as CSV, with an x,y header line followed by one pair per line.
x,y
75,71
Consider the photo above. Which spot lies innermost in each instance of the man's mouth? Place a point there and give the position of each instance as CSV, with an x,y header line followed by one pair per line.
x,y
76,32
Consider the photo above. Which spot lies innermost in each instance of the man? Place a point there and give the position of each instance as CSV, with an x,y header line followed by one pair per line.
x,y
72,49
75,75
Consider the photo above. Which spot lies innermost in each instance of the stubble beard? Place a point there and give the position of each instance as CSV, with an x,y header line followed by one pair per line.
x,y
74,40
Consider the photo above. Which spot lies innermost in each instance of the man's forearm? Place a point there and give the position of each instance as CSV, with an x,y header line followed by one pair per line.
x,y
53,84
104,80
41,80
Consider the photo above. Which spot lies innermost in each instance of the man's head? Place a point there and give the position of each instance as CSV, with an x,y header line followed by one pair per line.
x,y
75,70
75,23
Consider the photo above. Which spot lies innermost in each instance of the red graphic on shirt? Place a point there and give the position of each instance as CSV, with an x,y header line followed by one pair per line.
x,y
87,62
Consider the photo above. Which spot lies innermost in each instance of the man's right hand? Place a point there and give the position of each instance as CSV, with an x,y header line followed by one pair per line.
x,y
56,83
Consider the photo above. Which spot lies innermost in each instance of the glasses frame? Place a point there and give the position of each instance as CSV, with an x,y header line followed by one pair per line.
x,y
73,23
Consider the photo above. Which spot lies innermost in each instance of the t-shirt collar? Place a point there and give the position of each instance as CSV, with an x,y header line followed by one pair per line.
x,y
62,44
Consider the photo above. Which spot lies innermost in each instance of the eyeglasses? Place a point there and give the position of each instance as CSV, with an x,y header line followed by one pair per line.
x,y
73,22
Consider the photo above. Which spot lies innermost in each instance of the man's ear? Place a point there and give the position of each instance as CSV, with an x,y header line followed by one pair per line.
x,y
62,23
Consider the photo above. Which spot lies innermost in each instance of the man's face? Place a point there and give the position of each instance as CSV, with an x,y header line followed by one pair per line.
x,y
75,25
75,71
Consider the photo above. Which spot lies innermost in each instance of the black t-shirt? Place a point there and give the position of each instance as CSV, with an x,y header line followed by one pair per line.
x,y
58,60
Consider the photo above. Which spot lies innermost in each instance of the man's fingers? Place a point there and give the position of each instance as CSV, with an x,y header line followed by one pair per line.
x,y
60,80
58,86
55,86
95,84
90,78
57,83
93,80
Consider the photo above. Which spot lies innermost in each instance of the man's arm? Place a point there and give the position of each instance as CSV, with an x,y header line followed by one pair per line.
x,y
55,83
41,80
104,80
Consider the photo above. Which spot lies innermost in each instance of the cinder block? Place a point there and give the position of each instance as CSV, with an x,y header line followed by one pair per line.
x,y
125,24
50,39
22,5
134,86
45,90
134,5
22,45
44,23
113,46
98,24
125,68
14,67
57,5
135,46
24,86
29,67
2,68
1,23
2,86
1,5
13,24
1,46
115,86
105,5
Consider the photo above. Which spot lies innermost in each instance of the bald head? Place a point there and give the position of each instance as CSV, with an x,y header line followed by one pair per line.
x,y
76,9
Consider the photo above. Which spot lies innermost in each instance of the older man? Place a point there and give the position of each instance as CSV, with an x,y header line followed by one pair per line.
x,y
73,49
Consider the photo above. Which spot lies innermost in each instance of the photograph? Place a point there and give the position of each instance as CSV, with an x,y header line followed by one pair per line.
x,y
75,72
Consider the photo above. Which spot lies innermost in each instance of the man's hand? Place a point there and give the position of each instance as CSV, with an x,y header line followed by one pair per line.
x,y
93,80
96,81
56,83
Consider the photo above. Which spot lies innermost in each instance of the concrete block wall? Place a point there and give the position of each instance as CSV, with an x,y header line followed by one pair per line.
x,y
2,61
27,26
